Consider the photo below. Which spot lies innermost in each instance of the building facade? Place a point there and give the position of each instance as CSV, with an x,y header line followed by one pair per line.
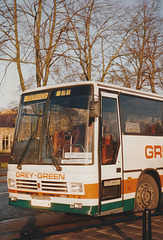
x,y
7,128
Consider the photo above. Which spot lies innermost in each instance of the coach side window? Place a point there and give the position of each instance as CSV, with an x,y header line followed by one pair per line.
x,y
141,115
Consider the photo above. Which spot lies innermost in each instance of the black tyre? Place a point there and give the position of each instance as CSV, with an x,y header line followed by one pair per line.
x,y
147,194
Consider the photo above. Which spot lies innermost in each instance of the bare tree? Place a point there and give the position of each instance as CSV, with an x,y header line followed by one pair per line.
x,y
82,39
140,63
95,38
31,34
91,36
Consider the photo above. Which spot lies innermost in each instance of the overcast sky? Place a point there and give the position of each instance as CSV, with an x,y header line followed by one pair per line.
x,y
9,89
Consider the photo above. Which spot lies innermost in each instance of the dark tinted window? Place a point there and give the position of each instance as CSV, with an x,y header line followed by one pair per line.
x,y
141,115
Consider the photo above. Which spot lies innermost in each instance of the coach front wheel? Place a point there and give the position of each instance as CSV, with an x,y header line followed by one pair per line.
x,y
147,194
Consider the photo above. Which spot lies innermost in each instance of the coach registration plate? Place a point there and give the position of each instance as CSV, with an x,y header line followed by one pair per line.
x,y
40,201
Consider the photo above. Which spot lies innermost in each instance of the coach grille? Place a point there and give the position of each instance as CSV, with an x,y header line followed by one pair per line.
x,y
44,186
58,187
26,184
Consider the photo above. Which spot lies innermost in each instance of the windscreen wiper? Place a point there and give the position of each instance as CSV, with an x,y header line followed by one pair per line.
x,y
54,159
28,143
19,166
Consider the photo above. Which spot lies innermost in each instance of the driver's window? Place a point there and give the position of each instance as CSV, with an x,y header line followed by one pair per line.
x,y
110,131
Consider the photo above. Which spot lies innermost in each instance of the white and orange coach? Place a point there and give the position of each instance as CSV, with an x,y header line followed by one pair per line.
x,y
87,148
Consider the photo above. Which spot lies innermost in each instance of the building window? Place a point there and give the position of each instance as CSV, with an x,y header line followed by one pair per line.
x,y
11,141
6,142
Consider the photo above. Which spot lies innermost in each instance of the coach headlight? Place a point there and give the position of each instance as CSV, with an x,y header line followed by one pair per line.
x,y
76,187
11,182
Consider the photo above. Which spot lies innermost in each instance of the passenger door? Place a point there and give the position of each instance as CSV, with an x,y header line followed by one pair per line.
x,y
110,154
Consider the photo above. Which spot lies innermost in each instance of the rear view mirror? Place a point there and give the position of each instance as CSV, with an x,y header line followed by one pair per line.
x,y
94,110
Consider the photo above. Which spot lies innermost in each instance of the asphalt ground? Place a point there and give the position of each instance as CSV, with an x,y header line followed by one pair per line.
x,y
3,173
126,231
122,230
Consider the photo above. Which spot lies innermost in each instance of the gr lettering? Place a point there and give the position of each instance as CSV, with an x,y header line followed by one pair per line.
x,y
22,174
153,151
